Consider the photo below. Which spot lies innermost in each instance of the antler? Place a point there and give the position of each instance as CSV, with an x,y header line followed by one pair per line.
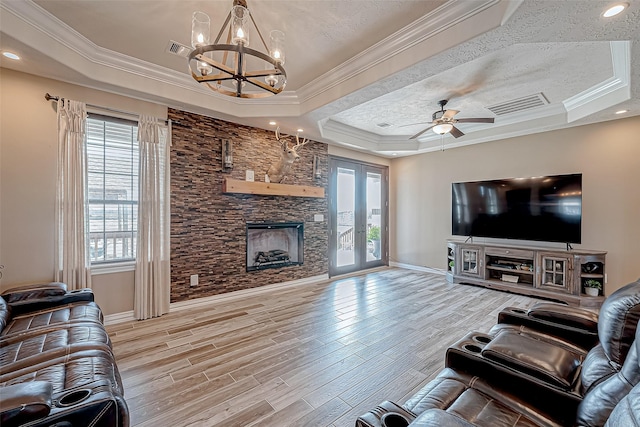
x,y
282,141
300,144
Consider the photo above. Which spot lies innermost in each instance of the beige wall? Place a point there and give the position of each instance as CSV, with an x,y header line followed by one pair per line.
x,y
358,155
607,155
28,130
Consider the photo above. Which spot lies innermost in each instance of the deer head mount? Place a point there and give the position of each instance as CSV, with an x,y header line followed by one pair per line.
x,y
278,171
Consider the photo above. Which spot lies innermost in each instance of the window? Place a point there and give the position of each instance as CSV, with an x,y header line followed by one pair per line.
x,y
112,169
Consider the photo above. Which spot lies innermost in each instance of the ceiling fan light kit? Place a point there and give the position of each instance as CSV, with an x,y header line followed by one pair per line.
x,y
228,68
442,128
443,122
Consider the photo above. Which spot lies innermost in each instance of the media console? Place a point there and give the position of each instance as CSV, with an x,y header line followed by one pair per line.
x,y
555,274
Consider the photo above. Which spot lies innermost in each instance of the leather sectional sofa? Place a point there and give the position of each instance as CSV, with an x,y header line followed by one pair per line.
x,y
56,363
551,365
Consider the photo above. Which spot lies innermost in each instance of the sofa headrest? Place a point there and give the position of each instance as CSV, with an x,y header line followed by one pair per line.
x,y
618,320
5,314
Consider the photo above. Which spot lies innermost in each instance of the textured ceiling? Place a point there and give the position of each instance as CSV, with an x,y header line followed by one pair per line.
x,y
558,70
355,64
320,34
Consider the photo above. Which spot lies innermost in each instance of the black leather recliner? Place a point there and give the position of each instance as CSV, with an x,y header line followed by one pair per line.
x,y
56,363
545,369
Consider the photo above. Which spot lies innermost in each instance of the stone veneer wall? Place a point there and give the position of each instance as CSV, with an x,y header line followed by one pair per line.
x,y
208,228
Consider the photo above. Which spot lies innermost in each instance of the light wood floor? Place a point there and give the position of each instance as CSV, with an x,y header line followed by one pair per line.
x,y
316,355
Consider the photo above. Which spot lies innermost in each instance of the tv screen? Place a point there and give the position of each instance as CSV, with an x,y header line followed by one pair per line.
x,y
545,208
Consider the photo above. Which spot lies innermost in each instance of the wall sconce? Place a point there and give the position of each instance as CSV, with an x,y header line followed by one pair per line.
x,y
227,154
317,172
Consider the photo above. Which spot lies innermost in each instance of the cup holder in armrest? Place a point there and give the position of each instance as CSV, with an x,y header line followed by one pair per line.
x,y
393,419
74,397
481,339
519,311
472,348
467,350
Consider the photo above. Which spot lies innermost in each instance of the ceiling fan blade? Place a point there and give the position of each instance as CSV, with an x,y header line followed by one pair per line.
x,y
457,133
420,133
476,120
449,114
413,124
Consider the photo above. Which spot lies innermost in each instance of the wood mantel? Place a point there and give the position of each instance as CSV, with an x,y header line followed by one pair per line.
x,y
270,188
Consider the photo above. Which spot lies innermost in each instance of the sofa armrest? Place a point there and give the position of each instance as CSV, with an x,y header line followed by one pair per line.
x,y
551,401
575,325
574,317
439,418
28,305
38,290
25,402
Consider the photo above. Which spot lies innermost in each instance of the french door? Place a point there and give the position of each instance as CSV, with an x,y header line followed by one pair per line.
x,y
358,209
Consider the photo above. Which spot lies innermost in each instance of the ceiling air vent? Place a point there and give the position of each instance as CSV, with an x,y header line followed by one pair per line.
x,y
520,104
178,49
383,125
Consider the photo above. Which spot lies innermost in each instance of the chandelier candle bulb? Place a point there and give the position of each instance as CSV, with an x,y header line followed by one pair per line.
x,y
276,48
240,25
200,29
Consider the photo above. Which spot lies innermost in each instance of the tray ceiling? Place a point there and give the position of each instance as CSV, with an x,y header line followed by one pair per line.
x,y
356,65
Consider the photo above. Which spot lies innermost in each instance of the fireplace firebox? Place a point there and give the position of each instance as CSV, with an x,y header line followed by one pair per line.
x,y
274,245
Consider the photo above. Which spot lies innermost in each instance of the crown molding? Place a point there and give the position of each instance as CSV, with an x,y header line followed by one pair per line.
x,y
608,93
96,59
424,28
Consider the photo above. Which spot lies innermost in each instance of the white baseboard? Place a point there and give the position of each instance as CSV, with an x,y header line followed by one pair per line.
x,y
127,316
418,268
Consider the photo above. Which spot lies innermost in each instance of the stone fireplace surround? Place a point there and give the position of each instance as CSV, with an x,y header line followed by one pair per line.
x,y
208,228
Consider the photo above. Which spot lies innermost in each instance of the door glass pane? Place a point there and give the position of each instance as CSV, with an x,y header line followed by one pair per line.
x,y
346,206
374,216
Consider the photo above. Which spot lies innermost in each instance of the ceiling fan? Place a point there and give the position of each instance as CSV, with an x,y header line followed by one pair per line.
x,y
443,122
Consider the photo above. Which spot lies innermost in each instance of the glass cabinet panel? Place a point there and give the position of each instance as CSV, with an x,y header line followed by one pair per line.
x,y
469,261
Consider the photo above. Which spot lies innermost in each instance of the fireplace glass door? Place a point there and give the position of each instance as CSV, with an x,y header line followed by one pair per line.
x,y
358,216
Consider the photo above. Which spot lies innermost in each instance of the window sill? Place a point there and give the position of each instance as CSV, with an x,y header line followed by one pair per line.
x,y
114,267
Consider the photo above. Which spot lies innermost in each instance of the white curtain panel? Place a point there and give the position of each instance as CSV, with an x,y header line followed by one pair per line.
x,y
153,272
71,257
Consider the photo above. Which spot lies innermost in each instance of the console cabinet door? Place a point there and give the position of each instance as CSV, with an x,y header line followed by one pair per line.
x,y
471,261
554,273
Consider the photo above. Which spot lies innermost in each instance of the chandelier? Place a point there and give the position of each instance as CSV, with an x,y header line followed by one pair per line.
x,y
232,68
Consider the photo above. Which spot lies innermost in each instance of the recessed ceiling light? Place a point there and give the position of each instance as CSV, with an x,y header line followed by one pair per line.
x,y
614,10
272,123
394,154
621,111
11,55
300,130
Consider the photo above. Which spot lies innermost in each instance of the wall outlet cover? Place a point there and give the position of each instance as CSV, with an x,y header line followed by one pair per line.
x,y
249,176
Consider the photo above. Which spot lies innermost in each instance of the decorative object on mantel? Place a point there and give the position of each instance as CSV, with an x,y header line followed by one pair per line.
x,y
278,171
233,62
227,154
270,189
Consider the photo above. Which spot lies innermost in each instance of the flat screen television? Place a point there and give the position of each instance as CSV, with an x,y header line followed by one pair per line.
x,y
544,208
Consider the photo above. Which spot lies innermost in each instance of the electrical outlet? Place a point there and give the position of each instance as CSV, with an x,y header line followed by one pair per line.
x,y
194,280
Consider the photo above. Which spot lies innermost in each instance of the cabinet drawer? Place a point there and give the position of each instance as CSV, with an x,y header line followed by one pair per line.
x,y
509,252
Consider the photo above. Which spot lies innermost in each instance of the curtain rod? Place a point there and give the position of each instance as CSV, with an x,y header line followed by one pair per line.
x,y
49,97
